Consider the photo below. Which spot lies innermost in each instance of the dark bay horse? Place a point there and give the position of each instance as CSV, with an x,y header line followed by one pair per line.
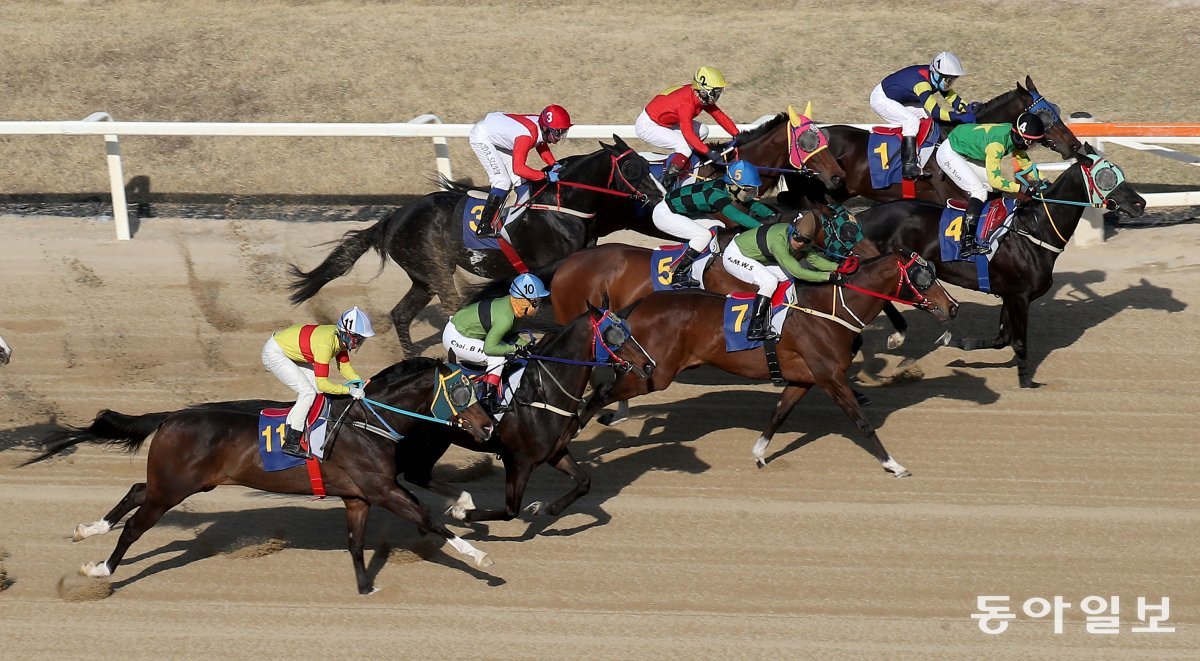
x,y
682,330
202,447
1022,268
545,414
848,145
768,147
425,236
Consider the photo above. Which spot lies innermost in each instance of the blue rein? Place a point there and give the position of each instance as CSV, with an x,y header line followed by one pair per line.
x,y
568,361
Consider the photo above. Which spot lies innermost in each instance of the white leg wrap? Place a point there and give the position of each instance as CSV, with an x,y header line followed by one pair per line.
x,y
95,570
894,467
83,530
760,449
460,507
462,546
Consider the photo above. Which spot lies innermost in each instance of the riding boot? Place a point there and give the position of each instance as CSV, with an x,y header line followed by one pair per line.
x,y
760,323
908,155
681,277
291,443
486,226
676,164
489,398
969,247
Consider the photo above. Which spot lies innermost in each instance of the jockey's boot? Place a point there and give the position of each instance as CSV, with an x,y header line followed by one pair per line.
x,y
676,164
681,277
486,226
490,397
760,323
969,247
908,156
291,443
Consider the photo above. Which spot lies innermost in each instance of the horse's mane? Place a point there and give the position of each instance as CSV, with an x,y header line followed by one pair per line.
x,y
404,368
750,135
987,106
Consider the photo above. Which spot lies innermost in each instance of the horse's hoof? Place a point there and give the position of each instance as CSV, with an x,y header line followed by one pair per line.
x,y
484,561
608,419
79,535
760,462
457,512
535,508
95,570
943,340
895,340
904,473
368,590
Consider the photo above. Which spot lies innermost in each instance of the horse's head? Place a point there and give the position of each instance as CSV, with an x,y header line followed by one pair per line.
x,y
1106,184
1058,136
615,343
808,148
455,401
839,230
630,173
920,287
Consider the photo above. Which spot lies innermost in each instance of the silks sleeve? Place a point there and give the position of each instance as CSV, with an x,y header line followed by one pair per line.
x,y
727,208
722,119
994,153
929,101
520,155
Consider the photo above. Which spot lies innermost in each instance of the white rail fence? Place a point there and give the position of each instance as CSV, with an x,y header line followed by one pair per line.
x,y
430,126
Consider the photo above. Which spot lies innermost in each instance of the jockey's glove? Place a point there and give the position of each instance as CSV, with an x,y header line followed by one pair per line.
x,y
357,392
967,117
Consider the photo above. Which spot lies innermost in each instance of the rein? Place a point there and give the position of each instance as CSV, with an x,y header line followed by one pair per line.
x,y
839,295
614,173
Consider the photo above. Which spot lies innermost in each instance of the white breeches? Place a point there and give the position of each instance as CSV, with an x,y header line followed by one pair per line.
x,y
968,175
695,232
907,117
465,348
496,162
297,377
666,137
747,270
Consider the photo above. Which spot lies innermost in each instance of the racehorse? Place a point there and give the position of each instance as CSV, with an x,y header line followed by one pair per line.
x,y
544,416
1022,267
682,330
624,273
769,146
425,236
849,145
201,447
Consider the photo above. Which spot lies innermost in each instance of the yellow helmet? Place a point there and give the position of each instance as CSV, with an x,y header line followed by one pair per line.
x,y
708,78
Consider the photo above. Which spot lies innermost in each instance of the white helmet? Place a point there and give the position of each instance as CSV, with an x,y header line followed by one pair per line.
x,y
946,64
356,321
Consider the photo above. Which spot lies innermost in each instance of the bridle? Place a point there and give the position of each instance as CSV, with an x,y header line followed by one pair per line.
x,y
615,174
905,282
1098,195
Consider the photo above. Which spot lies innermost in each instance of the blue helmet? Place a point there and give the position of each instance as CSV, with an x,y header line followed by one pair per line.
x,y
741,173
528,286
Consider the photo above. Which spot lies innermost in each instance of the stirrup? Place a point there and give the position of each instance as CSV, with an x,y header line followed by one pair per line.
x,y
973,249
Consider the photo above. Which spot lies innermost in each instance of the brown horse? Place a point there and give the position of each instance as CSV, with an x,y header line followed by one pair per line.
x,y
202,447
789,144
848,144
681,329
624,272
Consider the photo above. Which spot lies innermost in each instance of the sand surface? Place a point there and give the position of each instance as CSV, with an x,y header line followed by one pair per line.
x,y
683,549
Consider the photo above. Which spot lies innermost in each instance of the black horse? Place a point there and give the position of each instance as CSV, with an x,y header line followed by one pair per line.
x,y
849,145
202,447
1021,270
425,236
545,414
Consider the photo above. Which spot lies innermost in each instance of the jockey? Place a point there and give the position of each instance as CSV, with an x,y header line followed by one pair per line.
x,y
502,142
913,93
479,332
687,213
971,157
300,356
669,121
770,255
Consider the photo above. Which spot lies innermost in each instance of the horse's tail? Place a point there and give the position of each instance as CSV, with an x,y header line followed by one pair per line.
x,y
455,186
109,428
354,243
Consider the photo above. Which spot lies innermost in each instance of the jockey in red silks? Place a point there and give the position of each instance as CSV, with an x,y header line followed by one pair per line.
x,y
502,142
669,121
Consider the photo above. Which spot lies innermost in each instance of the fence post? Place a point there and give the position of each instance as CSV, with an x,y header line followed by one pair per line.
x,y
441,151
116,176
1090,231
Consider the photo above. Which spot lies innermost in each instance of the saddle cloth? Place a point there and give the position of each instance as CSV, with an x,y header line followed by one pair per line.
x,y
662,262
884,152
997,220
471,211
740,305
272,425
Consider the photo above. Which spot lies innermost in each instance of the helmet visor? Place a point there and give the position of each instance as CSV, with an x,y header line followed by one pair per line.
x,y
745,193
554,135
709,95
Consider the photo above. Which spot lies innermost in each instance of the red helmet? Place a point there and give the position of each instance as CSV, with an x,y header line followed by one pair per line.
x,y
555,117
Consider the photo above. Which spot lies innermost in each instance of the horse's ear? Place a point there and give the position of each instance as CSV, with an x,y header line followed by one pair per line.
x,y
619,143
793,118
1082,155
808,110
607,148
1029,84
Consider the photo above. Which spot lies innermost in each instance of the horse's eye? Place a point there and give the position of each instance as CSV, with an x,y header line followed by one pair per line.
x,y
614,336
809,140
634,170
1106,179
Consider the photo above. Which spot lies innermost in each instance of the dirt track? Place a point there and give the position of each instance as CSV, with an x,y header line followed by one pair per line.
x,y
683,549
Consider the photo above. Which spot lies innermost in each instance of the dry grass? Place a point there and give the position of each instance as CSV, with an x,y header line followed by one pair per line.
x,y
344,61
